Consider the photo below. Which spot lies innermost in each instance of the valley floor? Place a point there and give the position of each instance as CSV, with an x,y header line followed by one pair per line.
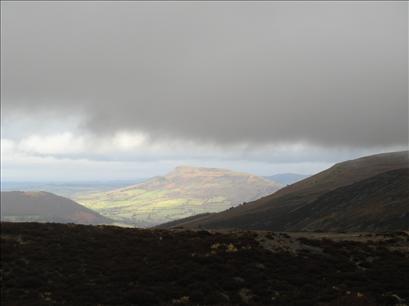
x,y
48,264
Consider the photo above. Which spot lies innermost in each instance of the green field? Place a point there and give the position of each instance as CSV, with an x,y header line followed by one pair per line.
x,y
149,207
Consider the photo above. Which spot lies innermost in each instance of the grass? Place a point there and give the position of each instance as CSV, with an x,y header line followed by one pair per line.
x,y
149,207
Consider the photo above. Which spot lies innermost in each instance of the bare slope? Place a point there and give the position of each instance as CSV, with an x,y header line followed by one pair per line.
x,y
184,192
40,206
378,203
272,212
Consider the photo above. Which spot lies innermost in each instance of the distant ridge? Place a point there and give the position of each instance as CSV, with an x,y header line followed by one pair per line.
x,y
278,210
287,178
40,206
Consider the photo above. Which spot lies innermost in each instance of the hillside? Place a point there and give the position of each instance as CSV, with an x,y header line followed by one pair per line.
x,y
39,206
378,203
57,264
274,212
184,192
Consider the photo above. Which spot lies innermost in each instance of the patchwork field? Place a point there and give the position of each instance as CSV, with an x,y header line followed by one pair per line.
x,y
149,207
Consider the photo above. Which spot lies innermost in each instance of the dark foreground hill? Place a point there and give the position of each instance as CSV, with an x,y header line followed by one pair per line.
x,y
352,195
374,204
56,264
43,206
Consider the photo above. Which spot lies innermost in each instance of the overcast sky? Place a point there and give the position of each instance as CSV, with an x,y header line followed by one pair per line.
x,y
121,90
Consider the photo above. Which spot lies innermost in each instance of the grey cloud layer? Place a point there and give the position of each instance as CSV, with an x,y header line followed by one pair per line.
x,y
329,73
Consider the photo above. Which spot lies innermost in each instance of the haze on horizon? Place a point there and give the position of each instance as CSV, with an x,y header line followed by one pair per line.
x,y
122,90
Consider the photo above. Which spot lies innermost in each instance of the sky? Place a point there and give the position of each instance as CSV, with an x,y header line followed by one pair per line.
x,y
121,90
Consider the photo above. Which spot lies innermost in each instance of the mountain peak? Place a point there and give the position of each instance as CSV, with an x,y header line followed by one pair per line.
x,y
198,171
183,192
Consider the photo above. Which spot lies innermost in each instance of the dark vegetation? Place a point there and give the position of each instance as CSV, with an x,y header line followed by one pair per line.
x,y
46,264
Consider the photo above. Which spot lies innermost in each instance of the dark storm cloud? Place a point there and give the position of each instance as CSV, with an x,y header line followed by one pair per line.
x,y
328,73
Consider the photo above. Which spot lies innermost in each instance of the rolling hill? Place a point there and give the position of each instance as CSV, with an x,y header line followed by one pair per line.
x,y
316,203
184,192
40,206
67,189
